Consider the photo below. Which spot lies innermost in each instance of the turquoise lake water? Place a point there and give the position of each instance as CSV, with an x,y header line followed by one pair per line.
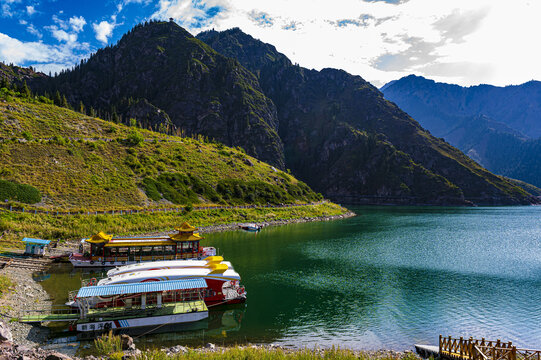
x,y
387,278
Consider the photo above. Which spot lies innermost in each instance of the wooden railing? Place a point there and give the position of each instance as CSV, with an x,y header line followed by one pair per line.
x,y
475,349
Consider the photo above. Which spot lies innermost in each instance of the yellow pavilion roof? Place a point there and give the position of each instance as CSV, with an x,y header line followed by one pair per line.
x,y
185,237
100,238
185,227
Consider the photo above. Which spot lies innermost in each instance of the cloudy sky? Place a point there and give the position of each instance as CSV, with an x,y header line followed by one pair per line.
x,y
466,42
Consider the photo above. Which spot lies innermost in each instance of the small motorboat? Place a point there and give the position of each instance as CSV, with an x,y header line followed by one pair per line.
x,y
250,227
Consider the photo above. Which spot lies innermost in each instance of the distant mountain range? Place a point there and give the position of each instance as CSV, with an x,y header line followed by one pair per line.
x,y
333,130
499,127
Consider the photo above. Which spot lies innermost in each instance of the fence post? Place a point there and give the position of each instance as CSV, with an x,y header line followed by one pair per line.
x,y
513,353
440,343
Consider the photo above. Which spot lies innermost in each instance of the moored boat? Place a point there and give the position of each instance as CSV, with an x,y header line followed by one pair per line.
x,y
169,264
223,284
135,305
102,250
250,227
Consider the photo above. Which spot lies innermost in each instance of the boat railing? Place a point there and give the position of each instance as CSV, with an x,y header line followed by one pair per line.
x,y
107,312
50,309
91,281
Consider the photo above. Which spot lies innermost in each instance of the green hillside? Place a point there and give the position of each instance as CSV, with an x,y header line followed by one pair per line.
x,y
80,162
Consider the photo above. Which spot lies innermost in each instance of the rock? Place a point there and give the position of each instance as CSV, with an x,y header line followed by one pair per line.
x,y
127,342
5,333
177,349
210,346
248,162
57,356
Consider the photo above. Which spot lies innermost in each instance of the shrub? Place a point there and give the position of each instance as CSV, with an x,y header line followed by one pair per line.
x,y
10,190
108,344
135,138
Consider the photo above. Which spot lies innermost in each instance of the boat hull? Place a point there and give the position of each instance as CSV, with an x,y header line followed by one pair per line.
x,y
141,322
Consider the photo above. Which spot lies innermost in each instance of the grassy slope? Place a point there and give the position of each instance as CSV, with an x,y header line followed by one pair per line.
x,y
106,174
17,225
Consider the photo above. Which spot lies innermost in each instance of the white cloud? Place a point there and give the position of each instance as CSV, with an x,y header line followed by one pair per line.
x,y
62,35
40,55
32,30
104,30
77,23
458,41
30,10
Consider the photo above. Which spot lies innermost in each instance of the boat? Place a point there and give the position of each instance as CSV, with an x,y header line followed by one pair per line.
x,y
102,250
223,284
250,227
169,264
136,305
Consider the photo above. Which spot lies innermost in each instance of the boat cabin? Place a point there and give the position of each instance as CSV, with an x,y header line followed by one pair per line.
x,y
35,247
112,251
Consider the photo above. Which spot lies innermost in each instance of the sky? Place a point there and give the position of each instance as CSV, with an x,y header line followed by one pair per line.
x,y
465,42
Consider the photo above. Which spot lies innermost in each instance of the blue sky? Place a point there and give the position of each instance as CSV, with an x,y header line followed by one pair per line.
x,y
456,41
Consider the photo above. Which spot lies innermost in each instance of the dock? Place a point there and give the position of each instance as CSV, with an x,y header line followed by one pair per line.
x,y
474,349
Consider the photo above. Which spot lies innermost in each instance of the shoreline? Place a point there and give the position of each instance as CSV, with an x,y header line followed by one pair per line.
x,y
27,293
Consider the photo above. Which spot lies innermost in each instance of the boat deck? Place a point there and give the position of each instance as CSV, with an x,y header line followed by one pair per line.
x,y
121,313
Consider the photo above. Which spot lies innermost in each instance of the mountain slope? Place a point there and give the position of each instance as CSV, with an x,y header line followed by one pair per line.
x,y
102,165
318,112
159,68
516,106
488,123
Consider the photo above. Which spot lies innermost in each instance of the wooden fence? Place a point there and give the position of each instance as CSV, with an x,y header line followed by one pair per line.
x,y
475,349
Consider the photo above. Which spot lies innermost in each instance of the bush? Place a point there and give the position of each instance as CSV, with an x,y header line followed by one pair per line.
x,y
108,344
27,194
135,138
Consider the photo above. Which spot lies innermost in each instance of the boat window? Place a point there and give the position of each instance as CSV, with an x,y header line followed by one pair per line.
x,y
123,251
107,252
169,250
147,250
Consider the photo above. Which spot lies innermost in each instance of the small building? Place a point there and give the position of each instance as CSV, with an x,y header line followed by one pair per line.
x,y
35,246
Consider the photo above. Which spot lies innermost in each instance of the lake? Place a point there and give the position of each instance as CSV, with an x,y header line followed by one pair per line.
x,y
387,278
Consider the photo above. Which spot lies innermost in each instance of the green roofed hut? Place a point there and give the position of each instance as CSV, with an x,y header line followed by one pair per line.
x,y
35,247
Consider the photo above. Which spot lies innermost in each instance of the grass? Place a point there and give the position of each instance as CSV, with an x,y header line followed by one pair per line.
x,y
235,353
111,346
5,285
18,225
108,344
106,166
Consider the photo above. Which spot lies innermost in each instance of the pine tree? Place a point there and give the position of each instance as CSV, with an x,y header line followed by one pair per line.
x,y
25,90
64,102
57,98
81,107
4,83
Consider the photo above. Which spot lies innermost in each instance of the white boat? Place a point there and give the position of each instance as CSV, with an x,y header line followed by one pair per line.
x,y
132,306
169,264
223,284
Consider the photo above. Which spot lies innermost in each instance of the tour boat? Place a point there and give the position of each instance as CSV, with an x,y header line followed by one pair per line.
x,y
102,250
223,284
135,305
169,264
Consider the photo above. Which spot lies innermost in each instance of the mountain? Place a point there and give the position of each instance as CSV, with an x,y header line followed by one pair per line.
x,y
343,138
161,75
62,159
493,125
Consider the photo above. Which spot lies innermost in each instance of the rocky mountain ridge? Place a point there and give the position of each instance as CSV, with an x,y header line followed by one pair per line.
x,y
498,127
333,130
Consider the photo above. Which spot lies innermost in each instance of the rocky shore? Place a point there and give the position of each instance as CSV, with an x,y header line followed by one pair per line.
x,y
27,294
9,350
235,226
